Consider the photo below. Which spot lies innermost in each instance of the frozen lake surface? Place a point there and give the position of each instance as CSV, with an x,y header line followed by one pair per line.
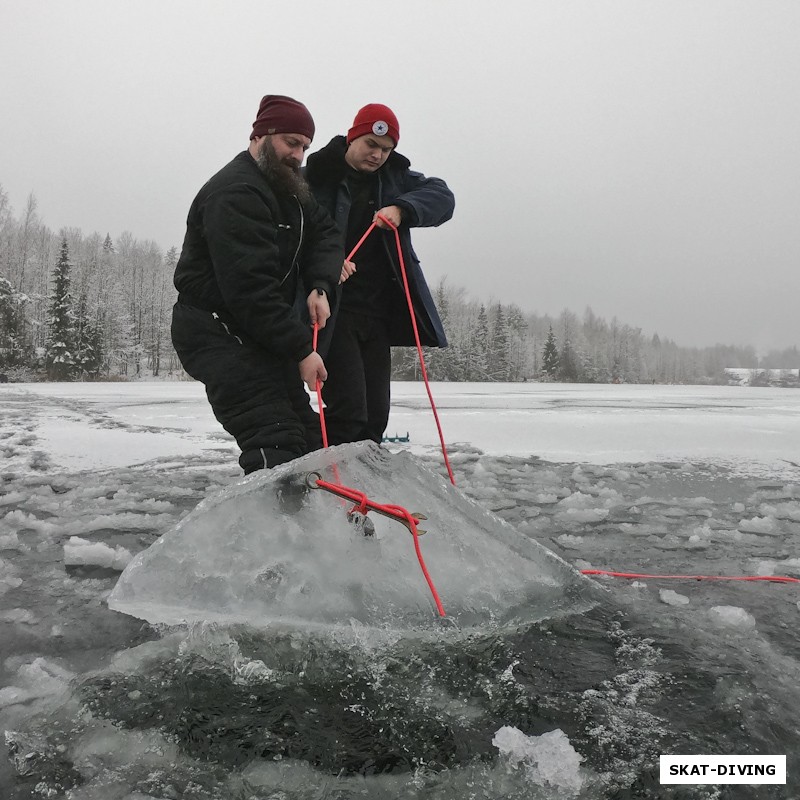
x,y
661,480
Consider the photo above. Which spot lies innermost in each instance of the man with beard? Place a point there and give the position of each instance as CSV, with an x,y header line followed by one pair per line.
x,y
257,247
356,178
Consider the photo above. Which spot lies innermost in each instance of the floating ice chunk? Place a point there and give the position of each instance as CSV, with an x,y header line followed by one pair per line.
x,y
580,507
18,520
245,556
577,500
790,566
565,540
482,475
579,515
700,537
764,525
672,598
82,552
39,679
127,520
9,541
788,511
734,617
548,760
579,476
109,743
11,498
543,498
19,615
9,579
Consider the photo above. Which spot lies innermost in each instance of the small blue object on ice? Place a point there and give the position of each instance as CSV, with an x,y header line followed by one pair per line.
x,y
398,438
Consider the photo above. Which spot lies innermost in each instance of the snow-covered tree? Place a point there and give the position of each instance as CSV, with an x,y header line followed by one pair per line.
x,y
497,356
550,358
518,367
479,361
88,341
60,355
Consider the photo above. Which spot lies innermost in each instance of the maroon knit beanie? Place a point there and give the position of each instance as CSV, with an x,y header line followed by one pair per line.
x,y
280,114
375,118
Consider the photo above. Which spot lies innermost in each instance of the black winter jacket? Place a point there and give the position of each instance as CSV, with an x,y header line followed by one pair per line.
x,y
426,202
246,256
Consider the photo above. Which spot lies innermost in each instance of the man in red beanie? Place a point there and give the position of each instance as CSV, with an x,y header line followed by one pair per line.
x,y
257,243
356,178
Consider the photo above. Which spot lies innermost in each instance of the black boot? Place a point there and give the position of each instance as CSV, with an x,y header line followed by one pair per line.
x,y
291,493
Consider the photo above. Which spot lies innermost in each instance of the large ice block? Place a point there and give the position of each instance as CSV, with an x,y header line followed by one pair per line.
x,y
258,554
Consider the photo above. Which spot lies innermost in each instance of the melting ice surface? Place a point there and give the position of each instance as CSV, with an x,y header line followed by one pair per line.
x,y
266,552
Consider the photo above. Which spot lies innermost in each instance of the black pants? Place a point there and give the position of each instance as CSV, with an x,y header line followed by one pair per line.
x,y
357,393
256,396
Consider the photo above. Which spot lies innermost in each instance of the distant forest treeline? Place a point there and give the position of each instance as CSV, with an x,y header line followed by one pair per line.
x,y
76,307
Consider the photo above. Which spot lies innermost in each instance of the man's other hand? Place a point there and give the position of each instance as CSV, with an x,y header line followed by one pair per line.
x,y
312,369
348,268
393,213
318,308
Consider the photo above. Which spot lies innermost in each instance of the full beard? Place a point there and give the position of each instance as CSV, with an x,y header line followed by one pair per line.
x,y
283,175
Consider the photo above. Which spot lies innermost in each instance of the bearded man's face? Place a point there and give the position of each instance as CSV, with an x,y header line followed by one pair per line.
x,y
279,157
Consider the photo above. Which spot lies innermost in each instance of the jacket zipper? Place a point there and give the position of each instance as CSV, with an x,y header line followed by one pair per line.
x,y
224,325
299,241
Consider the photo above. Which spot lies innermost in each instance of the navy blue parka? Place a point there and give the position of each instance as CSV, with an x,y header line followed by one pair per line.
x,y
426,202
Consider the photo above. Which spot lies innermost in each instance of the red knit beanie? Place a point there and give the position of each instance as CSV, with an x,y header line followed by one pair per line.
x,y
280,114
375,118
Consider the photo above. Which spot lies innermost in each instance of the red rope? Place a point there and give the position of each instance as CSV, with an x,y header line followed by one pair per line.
x,y
772,578
419,345
359,498
423,368
319,393
364,504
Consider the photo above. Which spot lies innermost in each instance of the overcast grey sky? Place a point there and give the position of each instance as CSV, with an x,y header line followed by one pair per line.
x,y
641,157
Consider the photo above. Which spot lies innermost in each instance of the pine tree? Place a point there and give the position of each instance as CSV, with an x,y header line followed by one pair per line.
x,y
61,333
517,329
498,347
88,342
479,361
567,363
550,358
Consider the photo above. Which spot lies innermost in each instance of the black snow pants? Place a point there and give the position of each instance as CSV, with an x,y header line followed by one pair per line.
x,y
256,396
357,394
